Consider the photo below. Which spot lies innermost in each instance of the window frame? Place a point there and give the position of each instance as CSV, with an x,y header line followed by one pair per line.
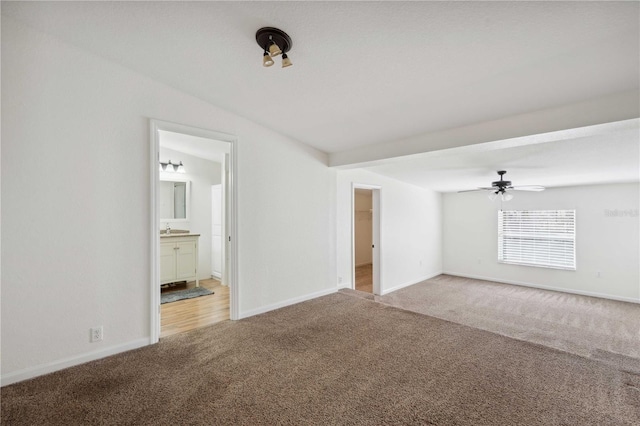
x,y
530,234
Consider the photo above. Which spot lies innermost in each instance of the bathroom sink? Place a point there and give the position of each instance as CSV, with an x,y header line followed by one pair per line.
x,y
174,231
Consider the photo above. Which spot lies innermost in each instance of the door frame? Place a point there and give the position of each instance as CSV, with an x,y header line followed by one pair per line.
x,y
376,221
231,215
223,230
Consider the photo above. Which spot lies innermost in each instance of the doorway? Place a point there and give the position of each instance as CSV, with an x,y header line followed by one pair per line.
x,y
366,238
193,250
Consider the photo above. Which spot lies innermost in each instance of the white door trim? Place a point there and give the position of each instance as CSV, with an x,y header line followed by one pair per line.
x,y
218,274
154,223
376,220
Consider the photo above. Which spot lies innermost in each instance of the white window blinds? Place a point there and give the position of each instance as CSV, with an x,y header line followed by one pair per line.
x,y
544,238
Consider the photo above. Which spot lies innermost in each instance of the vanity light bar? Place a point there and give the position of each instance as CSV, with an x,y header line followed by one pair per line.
x,y
172,168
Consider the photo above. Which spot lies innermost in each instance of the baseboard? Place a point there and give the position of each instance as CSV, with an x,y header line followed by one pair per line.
x,y
546,287
287,302
407,284
216,276
344,285
61,364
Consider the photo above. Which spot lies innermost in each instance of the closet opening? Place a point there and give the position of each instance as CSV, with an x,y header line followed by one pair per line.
x,y
366,238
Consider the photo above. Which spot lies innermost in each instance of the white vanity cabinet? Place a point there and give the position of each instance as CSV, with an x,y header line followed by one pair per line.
x,y
179,258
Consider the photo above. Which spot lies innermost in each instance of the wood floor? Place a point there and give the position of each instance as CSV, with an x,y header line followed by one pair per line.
x,y
184,315
364,278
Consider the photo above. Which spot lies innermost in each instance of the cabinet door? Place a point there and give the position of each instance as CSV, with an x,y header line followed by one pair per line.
x,y
167,262
186,260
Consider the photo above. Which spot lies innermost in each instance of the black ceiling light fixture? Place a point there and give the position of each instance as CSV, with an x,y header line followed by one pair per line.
x,y
274,42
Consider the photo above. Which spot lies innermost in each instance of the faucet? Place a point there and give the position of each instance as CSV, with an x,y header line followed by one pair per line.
x,y
168,230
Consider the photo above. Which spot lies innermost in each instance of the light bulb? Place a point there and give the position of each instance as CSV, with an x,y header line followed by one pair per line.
x,y
181,168
266,60
493,195
286,62
169,167
161,168
506,196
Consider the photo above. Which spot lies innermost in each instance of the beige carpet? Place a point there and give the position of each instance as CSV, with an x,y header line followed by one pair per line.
x,y
597,328
335,360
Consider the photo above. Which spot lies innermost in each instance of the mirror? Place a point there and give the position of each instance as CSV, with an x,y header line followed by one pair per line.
x,y
174,200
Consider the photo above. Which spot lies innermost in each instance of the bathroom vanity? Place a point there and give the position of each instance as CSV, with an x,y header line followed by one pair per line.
x,y
178,257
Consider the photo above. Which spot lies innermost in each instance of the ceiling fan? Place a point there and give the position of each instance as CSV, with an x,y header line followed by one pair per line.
x,y
502,186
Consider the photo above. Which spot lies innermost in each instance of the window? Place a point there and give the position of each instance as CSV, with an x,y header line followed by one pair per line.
x,y
543,238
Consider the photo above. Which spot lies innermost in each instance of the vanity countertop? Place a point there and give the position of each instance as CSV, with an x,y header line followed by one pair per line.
x,y
177,233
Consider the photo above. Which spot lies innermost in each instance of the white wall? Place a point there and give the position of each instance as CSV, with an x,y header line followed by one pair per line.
x,y
202,174
363,227
603,243
75,127
410,234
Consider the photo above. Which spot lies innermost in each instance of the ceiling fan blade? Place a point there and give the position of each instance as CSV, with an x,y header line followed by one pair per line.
x,y
478,189
528,188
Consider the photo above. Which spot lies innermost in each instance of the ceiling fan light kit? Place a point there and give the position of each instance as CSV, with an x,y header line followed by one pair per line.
x,y
274,42
502,186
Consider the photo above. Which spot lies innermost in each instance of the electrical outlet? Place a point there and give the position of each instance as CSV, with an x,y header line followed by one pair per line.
x,y
599,274
421,263
339,280
96,334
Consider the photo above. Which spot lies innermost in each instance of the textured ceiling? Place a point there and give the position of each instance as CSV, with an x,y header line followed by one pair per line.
x,y
363,73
